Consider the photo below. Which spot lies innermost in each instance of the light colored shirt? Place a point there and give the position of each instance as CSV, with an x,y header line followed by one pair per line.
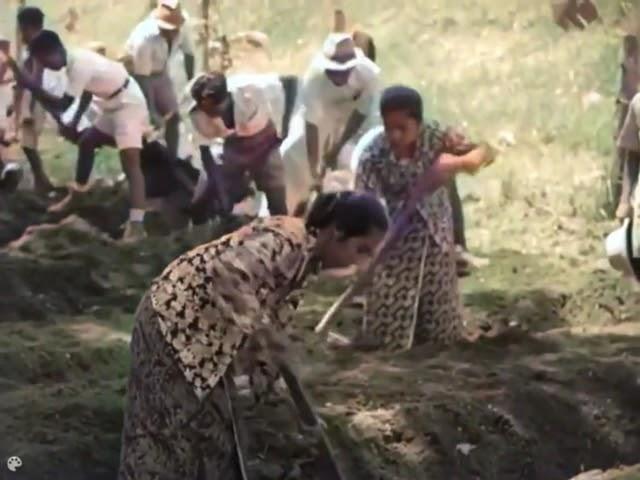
x,y
150,51
324,102
257,100
91,72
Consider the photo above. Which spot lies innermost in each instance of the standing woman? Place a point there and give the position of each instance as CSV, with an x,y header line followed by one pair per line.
x,y
201,311
415,297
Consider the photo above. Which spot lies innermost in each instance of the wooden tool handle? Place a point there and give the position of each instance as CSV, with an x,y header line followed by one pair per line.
x,y
327,467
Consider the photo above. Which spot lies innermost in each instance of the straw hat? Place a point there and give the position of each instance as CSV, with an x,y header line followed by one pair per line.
x,y
172,4
169,18
618,248
339,52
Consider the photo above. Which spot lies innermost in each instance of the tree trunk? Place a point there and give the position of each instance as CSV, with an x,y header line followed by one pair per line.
x,y
21,4
205,7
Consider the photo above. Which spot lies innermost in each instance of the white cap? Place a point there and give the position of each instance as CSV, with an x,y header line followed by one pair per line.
x,y
339,52
172,4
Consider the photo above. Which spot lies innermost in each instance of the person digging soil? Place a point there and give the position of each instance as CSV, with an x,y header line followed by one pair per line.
x,y
202,311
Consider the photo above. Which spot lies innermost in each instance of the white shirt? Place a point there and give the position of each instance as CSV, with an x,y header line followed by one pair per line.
x,y
325,102
150,51
91,72
257,100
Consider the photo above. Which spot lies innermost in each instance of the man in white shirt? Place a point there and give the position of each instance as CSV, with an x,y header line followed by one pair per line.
x,y
30,115
123,117
247,112
150,48
339,97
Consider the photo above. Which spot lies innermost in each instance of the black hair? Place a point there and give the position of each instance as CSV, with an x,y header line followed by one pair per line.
x,y
352,214
45,42
401,98
30,17
211,85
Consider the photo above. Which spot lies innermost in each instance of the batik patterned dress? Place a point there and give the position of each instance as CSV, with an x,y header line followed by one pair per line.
x,y
190,326
416,297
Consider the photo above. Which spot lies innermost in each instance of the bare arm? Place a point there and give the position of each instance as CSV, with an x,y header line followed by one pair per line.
x,y
436,176
356,120
143,81
189,65
85,101
50,102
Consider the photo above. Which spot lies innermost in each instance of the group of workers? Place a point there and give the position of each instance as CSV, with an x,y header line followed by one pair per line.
x,y
283,134
277,133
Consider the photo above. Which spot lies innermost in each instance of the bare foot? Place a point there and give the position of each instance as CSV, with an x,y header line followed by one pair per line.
x,y
65,204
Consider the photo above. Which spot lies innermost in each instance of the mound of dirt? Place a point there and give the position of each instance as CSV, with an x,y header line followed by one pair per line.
x,y
553,397
105,206
71,266
17,212
627,473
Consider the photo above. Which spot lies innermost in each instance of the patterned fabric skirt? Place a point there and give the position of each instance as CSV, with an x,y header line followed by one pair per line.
x,y
414,298
168,433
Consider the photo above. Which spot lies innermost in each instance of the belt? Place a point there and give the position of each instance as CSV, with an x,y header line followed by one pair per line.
x,y
120,90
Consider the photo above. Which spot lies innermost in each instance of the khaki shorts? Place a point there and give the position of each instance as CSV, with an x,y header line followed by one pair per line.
x,y
125,118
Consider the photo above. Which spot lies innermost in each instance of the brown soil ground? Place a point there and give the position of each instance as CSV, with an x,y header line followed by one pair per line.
x,y
549,399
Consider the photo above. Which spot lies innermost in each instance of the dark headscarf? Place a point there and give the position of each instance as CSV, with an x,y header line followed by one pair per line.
x,y
211,85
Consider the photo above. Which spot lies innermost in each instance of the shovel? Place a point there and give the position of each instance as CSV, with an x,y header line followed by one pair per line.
x,y
327,465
